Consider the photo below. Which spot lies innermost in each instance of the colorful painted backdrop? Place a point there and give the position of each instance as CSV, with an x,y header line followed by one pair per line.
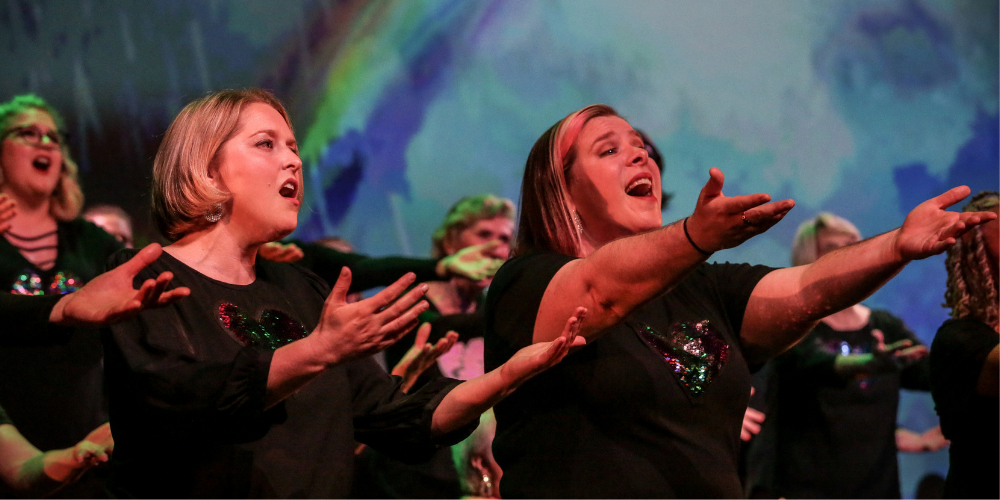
x,y
860,107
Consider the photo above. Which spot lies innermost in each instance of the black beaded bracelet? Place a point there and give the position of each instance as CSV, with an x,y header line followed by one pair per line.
x,y
696,247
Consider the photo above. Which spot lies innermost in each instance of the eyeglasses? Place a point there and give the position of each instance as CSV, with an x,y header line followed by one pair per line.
x,y
32,135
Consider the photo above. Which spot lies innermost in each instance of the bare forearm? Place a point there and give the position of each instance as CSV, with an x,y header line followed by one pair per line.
x,y
615,279
468,401
787,303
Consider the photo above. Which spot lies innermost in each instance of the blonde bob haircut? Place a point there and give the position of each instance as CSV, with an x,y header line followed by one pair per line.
x,y
67,198
546,223
466,213
805,246
183,192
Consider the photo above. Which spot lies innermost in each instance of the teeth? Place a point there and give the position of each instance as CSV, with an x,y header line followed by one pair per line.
x,y
287,189
43,160
639,182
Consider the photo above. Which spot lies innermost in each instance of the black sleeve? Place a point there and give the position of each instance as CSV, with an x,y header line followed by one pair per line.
x,y
4,418
395,423
512,303
25,320
915,377
736,283
171,384
366,272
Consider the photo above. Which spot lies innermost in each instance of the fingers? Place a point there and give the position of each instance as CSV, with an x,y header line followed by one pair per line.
x,y
896,346
171,296
145,257
754,415
403,303
739,204
405,322
422,334
713,187
951,197
339,293
160,285
444,344
879,339
382,299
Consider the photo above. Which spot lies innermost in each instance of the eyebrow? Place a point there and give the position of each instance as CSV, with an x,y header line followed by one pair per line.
x,y
604,136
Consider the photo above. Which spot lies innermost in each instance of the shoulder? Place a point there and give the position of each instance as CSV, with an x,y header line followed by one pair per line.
x,y
292,276
890,324
964,335
533,269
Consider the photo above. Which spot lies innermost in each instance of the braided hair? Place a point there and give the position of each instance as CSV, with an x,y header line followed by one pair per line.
x,y
971,291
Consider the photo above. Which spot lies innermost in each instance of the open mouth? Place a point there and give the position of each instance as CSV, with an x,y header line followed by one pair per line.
x,y
290,189
42,163
641,187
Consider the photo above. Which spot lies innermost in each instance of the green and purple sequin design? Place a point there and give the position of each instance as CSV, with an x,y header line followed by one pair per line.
x,y
273,330
30,283
695,352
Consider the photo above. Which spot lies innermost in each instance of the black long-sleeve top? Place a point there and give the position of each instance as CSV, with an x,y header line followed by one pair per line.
x,y
187,385
836,435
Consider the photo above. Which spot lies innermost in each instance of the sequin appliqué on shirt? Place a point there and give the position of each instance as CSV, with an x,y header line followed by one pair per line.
x,y
273,330
695,352
30,283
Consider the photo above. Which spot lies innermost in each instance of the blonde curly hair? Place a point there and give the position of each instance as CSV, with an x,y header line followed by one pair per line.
x,y
971,290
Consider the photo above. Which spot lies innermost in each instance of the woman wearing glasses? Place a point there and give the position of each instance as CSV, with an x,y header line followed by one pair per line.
x,y
54,393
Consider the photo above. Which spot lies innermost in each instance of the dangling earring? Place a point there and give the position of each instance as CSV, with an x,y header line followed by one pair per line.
x,y
216,214
577,222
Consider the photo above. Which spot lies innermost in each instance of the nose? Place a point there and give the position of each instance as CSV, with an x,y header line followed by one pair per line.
x,y
640,156
501,251
293,161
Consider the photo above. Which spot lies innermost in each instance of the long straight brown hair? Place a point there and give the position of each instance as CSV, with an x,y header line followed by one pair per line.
x,y
546,223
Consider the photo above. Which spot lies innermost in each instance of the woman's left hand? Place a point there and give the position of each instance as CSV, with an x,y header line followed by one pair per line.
x,y
929,229
536,358
422,355
277,251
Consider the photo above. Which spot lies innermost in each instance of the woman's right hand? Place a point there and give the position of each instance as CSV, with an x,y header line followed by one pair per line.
x,y
360,329
721,222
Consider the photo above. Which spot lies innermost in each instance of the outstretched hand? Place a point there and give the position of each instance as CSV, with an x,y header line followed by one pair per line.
x,y
277,251
897,355
422,355
929,229
541,356
473,262
95,448
110,297
349,331
721,222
